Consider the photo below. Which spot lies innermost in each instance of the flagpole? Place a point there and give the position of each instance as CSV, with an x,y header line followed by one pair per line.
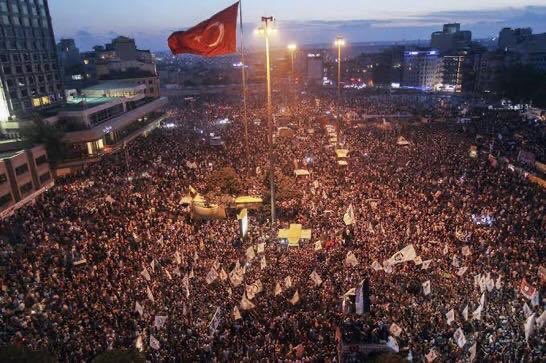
x,y
243,75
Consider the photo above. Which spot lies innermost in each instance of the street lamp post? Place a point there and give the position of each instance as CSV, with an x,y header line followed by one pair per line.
x,y
266,29
340,42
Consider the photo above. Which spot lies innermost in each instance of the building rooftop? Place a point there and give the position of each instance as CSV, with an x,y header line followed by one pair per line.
x,y
110,85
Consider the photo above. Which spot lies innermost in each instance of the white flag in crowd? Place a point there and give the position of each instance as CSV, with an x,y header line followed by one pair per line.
x,y
530,326
349,217
246,304
191,275
295,299
450,316
260,248
318,245
535,299
482,300
154,343
146,274
393,344
223,275
152,265
455,261
186,284
177,258
461,271
466,251
477,314
263,263
351,259
211,276
139,344
426,287
465,313
139,308
395,330
541,320
473,350
316,278
236,275
459,338
149,293
250,253
405,254
418,261
431,356
527,310
278,289
426,264
216,265
236,313
288,282
159,321
168,274
377,266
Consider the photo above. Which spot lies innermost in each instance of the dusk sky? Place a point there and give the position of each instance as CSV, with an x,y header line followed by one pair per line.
x,y
303,21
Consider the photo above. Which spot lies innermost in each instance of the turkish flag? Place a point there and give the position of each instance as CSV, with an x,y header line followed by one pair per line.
x,y
212,37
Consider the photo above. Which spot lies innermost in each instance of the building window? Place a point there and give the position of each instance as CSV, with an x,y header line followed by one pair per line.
x,y
5,200
45,177
41,160
3,178
20,170
27,188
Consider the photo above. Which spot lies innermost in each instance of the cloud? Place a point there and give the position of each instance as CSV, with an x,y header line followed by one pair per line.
x,y
482,23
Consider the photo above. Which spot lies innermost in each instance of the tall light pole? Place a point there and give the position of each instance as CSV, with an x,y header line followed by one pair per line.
x,y
340,42
265,30
292,49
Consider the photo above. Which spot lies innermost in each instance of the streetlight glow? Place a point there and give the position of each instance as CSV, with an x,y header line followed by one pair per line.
x,y
339,42
292,47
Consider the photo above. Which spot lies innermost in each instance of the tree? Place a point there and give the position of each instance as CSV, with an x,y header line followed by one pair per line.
x,y
225,181
285,187
16,354
120,356
39,132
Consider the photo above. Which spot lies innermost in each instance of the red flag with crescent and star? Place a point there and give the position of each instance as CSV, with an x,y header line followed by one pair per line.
x,y
212,37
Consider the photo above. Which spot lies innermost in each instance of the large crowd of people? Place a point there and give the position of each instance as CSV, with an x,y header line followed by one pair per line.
x,y
101,259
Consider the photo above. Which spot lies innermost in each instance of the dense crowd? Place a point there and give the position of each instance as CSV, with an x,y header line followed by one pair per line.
x,y
140,245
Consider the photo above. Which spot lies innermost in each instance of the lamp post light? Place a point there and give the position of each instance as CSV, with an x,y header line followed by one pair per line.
x,y
339,42
292,49
266,30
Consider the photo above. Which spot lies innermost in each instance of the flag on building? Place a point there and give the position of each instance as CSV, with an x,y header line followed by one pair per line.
x,y
212,37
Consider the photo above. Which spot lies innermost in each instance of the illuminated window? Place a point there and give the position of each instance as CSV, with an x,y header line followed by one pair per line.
x,y
45,100
36,102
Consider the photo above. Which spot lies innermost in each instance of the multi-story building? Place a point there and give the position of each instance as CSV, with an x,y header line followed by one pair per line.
x,y
451,39
389,69
121,60
314,68
530,47
457,72
103,118
421,69
24,174
29,72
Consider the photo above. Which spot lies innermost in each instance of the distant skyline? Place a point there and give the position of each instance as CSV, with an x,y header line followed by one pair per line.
x,y
303,21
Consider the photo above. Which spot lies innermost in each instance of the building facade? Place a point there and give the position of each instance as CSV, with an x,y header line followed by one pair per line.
x,y
23,175
421,69
30,80
451,39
